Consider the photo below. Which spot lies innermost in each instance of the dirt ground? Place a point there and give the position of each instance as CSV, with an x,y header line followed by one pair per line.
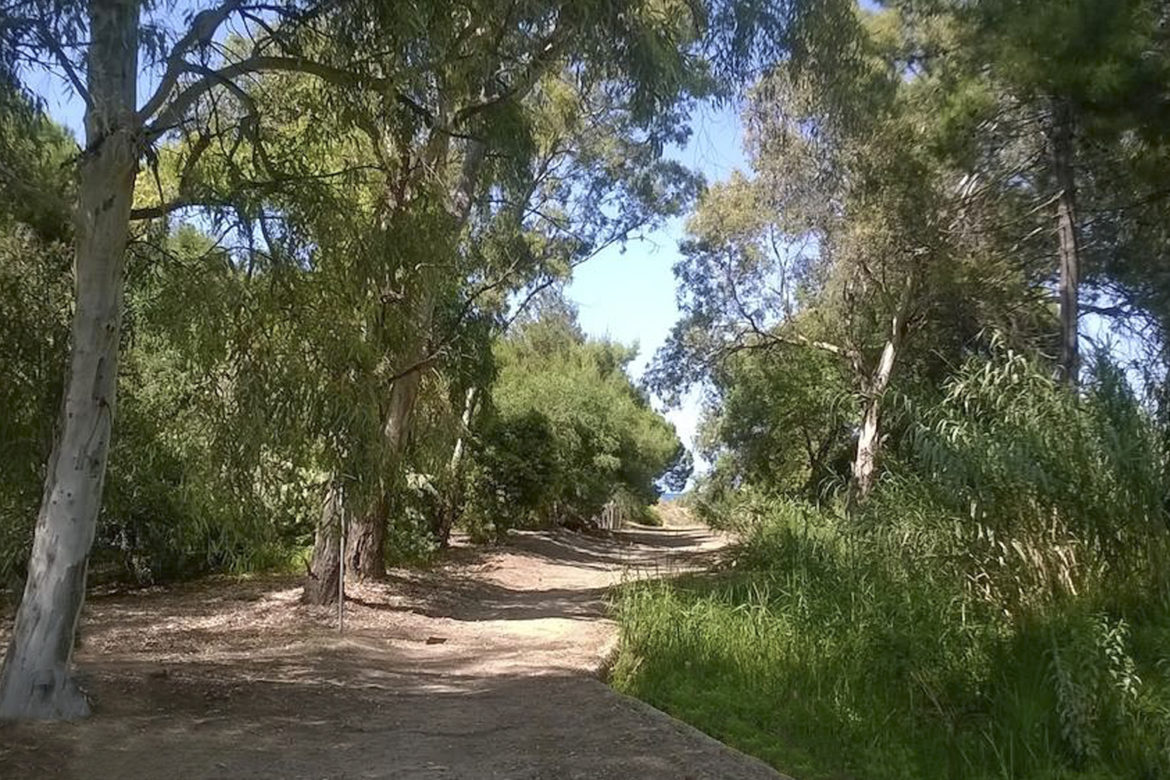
x,y
483,667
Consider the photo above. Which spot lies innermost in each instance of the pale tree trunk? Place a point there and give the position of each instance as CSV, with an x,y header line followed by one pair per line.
x,y
321,586
1063,156
35,682
869,440
452,502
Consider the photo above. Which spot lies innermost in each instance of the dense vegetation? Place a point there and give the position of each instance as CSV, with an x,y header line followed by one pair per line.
x,y
304,271
955,518
311,285
997,609
567,433
547,425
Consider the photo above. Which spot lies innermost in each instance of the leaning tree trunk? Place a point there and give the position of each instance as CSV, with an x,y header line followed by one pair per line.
x,y
1063,155
35,682
869,440
451,505
322,585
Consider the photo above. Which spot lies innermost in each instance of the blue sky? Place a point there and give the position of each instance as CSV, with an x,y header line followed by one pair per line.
x,y
628,294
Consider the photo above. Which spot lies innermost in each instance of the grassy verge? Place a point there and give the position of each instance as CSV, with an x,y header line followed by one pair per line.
x,y
829,658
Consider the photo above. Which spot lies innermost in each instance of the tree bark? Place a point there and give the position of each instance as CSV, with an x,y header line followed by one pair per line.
x,y
452,503
321,585
1063,156
869,440
366,539
365,542
35,682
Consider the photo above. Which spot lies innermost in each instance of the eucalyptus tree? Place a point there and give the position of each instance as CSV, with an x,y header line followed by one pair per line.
x,y
858,236
524,139
95,47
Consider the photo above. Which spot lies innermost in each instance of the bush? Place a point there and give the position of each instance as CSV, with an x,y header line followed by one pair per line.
x,y
998,609
826,652
1032,492
568,433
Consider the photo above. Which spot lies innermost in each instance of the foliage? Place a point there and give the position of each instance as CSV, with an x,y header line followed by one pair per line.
x,y
1056,496
568,432
781,422
829,654
998,606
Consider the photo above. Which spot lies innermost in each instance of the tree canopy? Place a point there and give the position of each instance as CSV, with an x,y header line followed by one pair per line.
x,y
296,300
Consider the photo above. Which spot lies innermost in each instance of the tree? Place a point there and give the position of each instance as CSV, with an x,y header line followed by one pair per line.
x,y
1076,79
554,135
849,240
35,681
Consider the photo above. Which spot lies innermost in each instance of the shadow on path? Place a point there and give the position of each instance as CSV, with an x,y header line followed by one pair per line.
x,y
482,667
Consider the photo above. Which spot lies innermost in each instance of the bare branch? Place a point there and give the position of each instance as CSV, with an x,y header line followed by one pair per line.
x,y
203,28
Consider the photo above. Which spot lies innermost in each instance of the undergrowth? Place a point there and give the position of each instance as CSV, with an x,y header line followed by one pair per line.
x,y
815,655
997,610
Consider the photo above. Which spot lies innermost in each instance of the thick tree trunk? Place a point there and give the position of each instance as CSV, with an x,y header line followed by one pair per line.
x,y
869,440
322,584
366,540
35,681
365,543
400,415
1063,156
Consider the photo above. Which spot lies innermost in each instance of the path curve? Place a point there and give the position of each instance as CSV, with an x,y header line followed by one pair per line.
x,y
483,667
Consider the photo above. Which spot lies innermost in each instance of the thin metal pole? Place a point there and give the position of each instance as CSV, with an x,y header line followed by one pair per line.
x,y
341,567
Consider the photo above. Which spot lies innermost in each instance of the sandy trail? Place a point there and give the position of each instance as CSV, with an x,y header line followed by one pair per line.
x,y
483,667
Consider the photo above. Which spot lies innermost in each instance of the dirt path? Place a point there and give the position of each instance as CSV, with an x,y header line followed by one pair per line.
x,y
484,667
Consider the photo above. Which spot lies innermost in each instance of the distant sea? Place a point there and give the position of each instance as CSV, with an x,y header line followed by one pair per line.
x,y
670,496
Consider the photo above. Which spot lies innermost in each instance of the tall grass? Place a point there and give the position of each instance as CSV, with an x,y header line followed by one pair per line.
x,y
818,654
998,611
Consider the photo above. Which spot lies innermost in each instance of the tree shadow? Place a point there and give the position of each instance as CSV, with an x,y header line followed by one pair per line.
x,y
475,600
336,712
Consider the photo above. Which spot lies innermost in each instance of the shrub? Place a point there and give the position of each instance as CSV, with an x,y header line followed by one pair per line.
x,y
827,651
998,609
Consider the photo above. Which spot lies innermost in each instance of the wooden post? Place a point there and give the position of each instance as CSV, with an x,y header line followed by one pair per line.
x,y
341,568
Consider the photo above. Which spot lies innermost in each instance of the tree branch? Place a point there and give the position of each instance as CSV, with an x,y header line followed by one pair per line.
x,y
203,28
54,46
171,116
